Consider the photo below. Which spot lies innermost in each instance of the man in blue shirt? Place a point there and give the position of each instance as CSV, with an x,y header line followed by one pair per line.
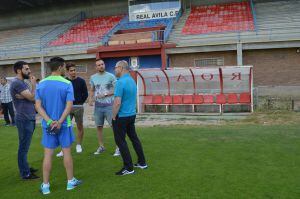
x,y
124,113
54,100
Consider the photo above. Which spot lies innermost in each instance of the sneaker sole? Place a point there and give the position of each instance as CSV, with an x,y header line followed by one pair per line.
x,y
45,193
141,167
68,189
130,172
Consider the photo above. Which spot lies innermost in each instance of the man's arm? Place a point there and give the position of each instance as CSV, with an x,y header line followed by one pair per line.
x,y
66,112
41,110
85,93
116,107
91,98
30,95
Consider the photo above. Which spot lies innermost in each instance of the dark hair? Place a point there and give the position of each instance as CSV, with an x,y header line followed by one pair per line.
x,y
19,65
69,65
38,80
55,63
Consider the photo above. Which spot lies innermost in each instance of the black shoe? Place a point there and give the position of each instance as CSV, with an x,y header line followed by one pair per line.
x,y
33,170
124,171
141,166
31,177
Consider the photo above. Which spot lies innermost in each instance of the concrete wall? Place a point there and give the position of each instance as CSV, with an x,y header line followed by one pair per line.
x,y
188,60
59,14
8,70
274,67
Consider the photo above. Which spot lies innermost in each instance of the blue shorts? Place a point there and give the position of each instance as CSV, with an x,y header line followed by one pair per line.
x,y
101,113
64,138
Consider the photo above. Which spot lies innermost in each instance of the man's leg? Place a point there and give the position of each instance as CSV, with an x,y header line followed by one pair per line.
x,y
5,113
119,128
78,114
47,164
80,133
100,135
11,112
25,130
68,162
135,141
99,121
108,117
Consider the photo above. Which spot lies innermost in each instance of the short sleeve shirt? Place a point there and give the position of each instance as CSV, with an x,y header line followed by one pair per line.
x,y
54,92
126,89
103,84
24,108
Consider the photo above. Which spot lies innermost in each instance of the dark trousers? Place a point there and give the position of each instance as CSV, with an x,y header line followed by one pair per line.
x,y
121,127
25,130
8,108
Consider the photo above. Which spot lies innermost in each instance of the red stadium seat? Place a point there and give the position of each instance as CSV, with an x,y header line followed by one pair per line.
x,y
157,99
208,99
245,98
177,99
167,99
221,99
188,99
147,99
232,98
198,99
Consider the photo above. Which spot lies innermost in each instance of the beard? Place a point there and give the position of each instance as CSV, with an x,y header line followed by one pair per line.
x,y
25,76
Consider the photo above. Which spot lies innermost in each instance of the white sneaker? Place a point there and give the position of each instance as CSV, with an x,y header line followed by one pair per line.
x,y
101,149
78,148
60,154
117,152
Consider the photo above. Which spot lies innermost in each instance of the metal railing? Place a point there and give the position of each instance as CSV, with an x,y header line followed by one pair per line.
x,y
169,26
113,30
60,29
253,14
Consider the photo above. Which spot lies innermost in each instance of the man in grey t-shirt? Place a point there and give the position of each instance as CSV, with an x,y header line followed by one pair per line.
x,y
102,91
23,100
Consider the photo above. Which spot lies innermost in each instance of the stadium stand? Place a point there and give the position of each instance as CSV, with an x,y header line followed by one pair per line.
x,y
219,18
282,26
88,31
22,40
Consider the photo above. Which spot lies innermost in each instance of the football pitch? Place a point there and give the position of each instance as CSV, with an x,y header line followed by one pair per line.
x,y
225,161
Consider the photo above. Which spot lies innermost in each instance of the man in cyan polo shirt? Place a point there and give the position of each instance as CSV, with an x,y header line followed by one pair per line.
x,y
54,99
124,113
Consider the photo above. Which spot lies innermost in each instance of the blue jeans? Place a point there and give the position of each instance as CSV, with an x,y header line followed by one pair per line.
x,y
25,130
101,113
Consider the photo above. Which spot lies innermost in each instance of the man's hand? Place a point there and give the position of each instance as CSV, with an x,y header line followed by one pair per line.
x,y
55,125
99,96
32,80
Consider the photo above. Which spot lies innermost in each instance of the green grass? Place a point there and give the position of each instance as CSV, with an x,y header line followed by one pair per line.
x,y
238,161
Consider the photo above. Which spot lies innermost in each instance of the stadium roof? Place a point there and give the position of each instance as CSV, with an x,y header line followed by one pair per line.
x,y
15,5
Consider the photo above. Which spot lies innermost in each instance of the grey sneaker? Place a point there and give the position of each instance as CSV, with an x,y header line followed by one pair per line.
x,y
141,166
117,152
100,150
